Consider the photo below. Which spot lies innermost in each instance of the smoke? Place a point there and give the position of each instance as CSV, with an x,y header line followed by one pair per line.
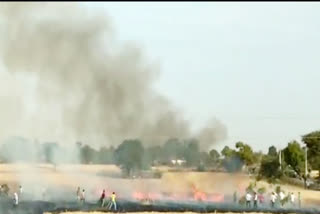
x,y
87,86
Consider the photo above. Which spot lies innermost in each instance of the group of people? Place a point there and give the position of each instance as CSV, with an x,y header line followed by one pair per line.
x,y
281,198
255,200
4,190
102,200
112,203
81,195
275,198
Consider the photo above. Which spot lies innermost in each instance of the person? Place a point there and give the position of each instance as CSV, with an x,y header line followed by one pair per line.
x,y
292,198
78,194
273,199
113,201
281,197
82,198
308,183
248,199
299,199
255,200
102,198
16,199
261,198
235,197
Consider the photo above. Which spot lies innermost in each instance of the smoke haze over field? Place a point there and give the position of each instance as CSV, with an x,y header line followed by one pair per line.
x,y
65,78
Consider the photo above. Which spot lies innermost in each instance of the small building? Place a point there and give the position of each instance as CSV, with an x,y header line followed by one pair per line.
x,y
314,173
178,162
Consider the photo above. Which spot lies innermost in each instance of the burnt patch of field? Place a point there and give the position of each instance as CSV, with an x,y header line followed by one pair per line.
x,y
41,207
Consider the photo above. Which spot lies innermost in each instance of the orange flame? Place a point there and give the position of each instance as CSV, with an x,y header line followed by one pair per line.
x,y
197,195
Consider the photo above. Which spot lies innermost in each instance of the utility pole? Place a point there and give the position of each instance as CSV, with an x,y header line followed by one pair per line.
x,y
280,161
306,161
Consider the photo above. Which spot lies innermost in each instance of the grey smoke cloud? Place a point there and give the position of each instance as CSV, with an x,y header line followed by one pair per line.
x,y
88,87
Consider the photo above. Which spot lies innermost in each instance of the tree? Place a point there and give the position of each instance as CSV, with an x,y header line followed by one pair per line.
x,y
294,157
227,152
270,168
312,142
50,150
129,156
18,149
192,152
87,154
105,155
272,151
153,154
214,157
173,149
205,160
231,162
245,153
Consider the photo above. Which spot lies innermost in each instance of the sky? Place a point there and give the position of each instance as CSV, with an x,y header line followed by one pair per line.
x,y
254,66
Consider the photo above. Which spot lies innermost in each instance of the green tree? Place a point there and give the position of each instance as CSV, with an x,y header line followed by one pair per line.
x,y
227,152
153,155
294,157
129,156
232,163
18,149
214,157
88,154
173,149
312,142
205,159
192,152
270,168
245,153
105,155
272,151
50,150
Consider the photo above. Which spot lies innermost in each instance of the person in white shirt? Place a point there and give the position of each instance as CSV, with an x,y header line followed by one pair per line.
x,y
292,198
16,199
83,199
255,200
248,199
281,194
273,199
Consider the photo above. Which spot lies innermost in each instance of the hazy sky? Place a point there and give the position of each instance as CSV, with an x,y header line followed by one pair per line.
x,y
255,66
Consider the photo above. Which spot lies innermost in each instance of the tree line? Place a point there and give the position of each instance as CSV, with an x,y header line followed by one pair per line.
x,y
132,156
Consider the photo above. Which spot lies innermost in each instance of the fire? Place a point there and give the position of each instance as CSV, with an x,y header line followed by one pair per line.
x,y
202,196
140,196
198,195
217,198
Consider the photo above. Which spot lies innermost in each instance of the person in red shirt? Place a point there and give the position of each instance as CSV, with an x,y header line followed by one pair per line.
x,y
102,198
261,198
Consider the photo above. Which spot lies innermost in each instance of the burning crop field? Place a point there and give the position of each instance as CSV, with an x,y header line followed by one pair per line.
x,y
174,192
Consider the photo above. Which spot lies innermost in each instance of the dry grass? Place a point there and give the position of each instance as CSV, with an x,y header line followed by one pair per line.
x,y
71,176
